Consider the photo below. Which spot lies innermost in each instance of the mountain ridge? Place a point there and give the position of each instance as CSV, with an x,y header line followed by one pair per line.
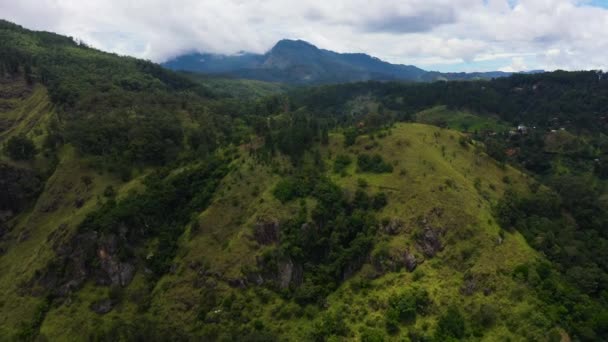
x,y
300,62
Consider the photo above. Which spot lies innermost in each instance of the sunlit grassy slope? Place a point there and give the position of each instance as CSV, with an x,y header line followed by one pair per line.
x,y
37,233
460,120
433,172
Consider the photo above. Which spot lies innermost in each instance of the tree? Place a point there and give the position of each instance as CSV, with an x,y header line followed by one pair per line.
x,y
450,325
350,136
20,148
87,181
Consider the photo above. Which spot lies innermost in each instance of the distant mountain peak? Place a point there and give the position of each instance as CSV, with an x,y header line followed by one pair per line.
x,y
300,62
293,43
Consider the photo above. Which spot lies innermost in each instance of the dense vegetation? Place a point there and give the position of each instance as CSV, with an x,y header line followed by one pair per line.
x,y
161,212
573,100
127,111
20,148
568,224
332,244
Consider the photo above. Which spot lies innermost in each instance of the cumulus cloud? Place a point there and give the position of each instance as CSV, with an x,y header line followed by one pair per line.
x,y
517,64
406,23
535,34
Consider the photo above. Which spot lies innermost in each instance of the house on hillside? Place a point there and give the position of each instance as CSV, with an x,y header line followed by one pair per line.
x,y
521,129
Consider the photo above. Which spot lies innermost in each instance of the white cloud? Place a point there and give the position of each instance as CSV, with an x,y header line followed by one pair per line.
x,y
534,34
517,64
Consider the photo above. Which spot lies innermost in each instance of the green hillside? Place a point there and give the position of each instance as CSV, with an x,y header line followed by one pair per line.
x,y
141,204
460,120
435,180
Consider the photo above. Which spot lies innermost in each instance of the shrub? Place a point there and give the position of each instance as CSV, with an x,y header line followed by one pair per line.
x,y
373,164
109,192
450,325
379,201
404,307
372,335
20,148
464,142
341,163
362,183
330,324
350,137
290,188
486,316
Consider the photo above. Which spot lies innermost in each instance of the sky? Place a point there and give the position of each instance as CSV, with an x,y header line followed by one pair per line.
x,y
442,35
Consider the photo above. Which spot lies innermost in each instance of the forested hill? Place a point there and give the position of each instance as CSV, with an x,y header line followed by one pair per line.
x,y
120,107
137,203
299,62
560,99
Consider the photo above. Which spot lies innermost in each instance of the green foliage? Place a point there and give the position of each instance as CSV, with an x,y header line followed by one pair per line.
x,y
341,162
373,163
484,318
496,149
140,329
379,201
338,238
123,109
372,335
330,324
350,136
29,330
163,209
451,325
294,187
20,148
405,306
567,225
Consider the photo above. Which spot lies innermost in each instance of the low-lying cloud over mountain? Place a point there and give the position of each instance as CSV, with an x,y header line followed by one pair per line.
x,y
299,62
454,35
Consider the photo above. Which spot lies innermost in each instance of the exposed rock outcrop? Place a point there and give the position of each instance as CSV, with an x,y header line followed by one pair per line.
x,y
74,264
283,273
429,242
266,232
394,261
103,306
392,226
475,282
410,262
289,274
116,271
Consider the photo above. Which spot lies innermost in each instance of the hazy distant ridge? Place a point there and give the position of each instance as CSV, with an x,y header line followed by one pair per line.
x,y
299,62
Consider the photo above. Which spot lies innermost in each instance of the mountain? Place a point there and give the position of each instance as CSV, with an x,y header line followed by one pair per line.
x,y
299,62
295,61
139,204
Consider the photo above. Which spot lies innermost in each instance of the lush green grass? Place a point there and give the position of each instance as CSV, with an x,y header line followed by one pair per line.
x,y
425,157
460,120
29,115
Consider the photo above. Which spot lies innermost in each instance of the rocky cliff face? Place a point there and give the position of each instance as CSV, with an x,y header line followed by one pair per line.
x,y
88,256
